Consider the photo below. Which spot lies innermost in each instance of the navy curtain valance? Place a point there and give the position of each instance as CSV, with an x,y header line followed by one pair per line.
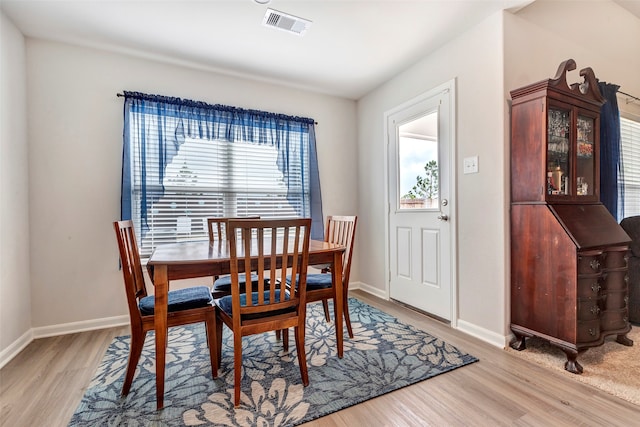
x,y
212,107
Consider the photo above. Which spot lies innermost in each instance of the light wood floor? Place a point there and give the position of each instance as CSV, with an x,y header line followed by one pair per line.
x,y
43,385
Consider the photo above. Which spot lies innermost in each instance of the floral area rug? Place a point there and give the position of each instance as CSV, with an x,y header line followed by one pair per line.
x,y
383,356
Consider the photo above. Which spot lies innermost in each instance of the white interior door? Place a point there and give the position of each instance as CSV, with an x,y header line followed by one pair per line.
x,y
420,202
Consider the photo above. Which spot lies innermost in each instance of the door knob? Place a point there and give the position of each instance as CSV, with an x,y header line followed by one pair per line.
x,y
443,217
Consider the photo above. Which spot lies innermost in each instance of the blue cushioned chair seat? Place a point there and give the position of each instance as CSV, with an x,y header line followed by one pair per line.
x,y
226,303
224,282
180,299
316,281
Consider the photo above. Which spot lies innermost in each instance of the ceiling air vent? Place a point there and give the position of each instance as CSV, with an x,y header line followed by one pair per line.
x,y
285,22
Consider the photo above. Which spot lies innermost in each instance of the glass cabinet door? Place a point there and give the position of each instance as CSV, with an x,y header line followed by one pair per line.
x,y
585,163
558,150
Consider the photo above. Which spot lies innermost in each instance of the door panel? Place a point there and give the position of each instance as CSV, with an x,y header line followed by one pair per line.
x,y
430,258
404,252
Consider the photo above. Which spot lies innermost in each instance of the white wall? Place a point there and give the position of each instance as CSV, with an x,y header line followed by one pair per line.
x,y
75,137
475,60
15,291
601,35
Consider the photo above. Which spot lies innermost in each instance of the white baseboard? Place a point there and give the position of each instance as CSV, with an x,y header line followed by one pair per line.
x,y
86,325
476,331
15,347
482,334
18,345
380,293
69,328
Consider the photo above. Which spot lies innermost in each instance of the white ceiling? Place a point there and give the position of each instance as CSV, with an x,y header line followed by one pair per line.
x,y
351,47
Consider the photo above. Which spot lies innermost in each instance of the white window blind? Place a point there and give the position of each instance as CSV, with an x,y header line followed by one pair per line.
x,y
630,153
214,178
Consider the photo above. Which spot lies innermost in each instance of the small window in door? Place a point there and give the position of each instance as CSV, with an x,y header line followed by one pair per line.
x,y
418,168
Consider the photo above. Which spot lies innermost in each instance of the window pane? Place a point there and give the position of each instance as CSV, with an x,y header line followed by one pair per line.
x,y
418,169
211,178
585,163
558,167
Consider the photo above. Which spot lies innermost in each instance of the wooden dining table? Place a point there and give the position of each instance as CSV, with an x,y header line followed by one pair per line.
x,y
186,260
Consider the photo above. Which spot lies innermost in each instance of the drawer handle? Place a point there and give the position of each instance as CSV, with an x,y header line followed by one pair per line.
x,y
595,264
596,287
595,309
592,332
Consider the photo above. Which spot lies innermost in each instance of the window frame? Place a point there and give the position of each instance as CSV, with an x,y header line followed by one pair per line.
x,y
297,141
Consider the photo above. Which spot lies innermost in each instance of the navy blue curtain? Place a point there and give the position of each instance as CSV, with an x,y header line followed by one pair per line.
x,y
610,148
174,119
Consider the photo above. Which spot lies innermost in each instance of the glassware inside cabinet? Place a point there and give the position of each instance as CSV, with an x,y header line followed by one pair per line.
x,y
558,144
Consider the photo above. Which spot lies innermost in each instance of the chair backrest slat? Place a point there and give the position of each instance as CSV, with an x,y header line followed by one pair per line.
x,y
217,227
275,245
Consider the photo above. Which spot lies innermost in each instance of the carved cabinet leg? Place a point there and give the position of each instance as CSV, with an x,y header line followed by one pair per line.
x,y
624,340
518,343
572,364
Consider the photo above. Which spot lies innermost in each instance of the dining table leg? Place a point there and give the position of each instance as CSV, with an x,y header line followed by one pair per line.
x,y
336,272
161,284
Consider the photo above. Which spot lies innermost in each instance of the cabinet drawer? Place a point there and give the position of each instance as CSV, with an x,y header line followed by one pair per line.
x,y
590,262
589,286
615,280
615,300
614,319
616,257
588,331
588,309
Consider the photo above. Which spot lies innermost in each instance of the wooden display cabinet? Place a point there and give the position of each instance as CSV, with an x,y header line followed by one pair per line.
x,y
569,282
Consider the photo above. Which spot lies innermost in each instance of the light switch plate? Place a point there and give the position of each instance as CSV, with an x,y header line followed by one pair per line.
x,y
471,164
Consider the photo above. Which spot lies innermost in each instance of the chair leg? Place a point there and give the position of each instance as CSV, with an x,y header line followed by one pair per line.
x,y
302,356
347,319
135,350
278,334
237,367
285,339
218,340
325,306
212,342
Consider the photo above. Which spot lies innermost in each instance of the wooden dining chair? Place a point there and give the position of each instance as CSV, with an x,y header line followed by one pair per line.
x,y
217,228
275,245
340,230
185,306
